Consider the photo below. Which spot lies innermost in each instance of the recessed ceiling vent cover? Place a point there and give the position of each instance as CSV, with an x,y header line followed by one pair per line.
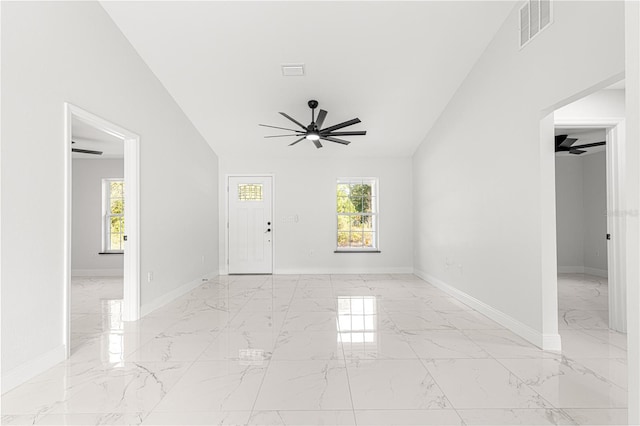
x,y
535,15
293,70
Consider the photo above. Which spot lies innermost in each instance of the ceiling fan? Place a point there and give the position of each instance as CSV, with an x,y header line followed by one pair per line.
x,y
85,151
565,144
314,131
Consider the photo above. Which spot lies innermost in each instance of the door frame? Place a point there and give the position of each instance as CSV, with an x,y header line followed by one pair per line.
x,y
131,271
226,216
616,205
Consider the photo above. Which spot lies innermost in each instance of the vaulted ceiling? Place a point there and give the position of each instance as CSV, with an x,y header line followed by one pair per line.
x,y
395,65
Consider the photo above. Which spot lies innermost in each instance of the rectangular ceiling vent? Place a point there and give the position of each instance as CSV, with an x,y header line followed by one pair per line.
x,y
293,70
535,15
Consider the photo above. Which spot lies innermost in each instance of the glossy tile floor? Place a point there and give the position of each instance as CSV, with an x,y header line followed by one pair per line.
x,y
340,350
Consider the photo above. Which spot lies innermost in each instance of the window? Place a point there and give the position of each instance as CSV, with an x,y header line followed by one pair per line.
x,y
357,214
113,215
250,192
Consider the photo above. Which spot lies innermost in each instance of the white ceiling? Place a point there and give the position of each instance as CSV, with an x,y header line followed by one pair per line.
x,y
394,65
88,137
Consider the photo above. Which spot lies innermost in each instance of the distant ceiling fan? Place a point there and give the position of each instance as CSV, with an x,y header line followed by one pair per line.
x,y
565,144
314,131
85,151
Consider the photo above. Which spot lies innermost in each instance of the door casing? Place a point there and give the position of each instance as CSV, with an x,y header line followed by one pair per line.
x,y
131,295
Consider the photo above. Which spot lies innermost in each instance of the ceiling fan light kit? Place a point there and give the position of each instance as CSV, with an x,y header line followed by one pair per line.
x,y
314,131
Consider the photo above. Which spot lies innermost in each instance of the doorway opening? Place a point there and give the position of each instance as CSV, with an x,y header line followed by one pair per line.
x,y
590,235
586,190
101,244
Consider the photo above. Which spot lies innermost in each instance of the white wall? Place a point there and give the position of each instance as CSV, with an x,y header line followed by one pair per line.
x,y
601,104
306,187
570,214
56,52
86,216
483,181
581,207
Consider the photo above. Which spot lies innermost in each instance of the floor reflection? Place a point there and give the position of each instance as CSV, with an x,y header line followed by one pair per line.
x,y
357,325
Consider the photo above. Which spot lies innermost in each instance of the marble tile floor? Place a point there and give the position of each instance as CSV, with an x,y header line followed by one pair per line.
x,y
325,349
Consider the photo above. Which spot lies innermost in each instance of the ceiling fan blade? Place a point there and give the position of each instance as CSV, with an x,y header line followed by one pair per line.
x,y
576,151
340,126
283,136
296,141
322,114
589,145
276,127
317,144
565,142
86,151
294,120
560,138
331,139
356,133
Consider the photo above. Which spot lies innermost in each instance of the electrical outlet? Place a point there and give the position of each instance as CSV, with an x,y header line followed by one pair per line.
x,y
149,277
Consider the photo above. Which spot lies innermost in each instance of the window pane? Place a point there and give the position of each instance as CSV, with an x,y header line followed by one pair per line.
x,y
368,239
344,205
343,223
117,206
355,239
343,189
117,189
357,322
343,239
344,322
368,322
357,305
250,192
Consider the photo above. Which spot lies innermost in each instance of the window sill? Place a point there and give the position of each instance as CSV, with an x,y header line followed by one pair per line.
x,y
357,251
111,252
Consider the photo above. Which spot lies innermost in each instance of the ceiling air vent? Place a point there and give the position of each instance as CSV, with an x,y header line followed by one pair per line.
x,y
535,15
293,70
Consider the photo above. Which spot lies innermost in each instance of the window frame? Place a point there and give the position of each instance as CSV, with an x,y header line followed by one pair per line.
x,y
375,213
107,215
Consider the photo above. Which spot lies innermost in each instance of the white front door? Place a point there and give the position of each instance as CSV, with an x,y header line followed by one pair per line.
x,y
250,225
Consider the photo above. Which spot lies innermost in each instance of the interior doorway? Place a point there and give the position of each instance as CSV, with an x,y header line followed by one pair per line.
x,y
599,169
583,229
117,236
250,224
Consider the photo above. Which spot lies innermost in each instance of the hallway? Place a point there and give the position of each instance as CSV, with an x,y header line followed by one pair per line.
x,y
320,349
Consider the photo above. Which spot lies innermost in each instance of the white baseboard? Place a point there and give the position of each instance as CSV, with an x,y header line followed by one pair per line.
x,y
17,376
603,273
97,272
548,342
571,269
350,270
169,297
325,271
